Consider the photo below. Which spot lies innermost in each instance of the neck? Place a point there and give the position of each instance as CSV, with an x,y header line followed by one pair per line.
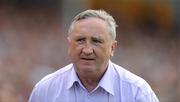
x,y
90,81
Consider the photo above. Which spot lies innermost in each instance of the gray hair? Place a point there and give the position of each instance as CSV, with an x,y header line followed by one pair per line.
x,y
101,14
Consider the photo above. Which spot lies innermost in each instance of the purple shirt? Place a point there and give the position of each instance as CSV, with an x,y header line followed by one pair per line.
x,y
117,85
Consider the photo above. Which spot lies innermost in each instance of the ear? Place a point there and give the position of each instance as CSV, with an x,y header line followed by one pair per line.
x,y
68,38
114,46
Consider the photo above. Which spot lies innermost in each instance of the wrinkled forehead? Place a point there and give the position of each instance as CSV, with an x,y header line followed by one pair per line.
x,y
87,20
90,26
92,23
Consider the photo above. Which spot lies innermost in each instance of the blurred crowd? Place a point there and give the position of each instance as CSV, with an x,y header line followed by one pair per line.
x,y
33,44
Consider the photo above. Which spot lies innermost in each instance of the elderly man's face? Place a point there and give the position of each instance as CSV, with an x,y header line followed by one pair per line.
x,y
90,45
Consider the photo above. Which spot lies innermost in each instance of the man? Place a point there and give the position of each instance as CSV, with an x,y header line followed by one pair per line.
x,y
92,77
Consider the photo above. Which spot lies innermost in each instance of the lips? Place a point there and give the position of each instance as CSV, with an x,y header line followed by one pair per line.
x,y
87,58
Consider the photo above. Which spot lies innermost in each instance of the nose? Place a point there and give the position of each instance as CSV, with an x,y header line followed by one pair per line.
x,y
87,50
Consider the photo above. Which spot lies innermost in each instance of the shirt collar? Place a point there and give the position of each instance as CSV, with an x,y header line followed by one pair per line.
x,y
72,78
107,81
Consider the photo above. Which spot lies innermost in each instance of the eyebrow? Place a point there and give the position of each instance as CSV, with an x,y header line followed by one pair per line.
x,y
92,37
96,37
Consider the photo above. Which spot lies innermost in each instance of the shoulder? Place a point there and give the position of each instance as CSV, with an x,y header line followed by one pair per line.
x,y
54,77
130,80
49,86
133,86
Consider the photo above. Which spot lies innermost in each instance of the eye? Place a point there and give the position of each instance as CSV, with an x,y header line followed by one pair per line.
x,y
95,40
80,40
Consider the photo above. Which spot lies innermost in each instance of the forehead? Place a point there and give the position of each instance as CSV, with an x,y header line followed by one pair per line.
x,y
90,26
92,20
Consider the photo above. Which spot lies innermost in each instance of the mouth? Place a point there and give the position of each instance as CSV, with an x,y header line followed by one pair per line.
x,y
88,59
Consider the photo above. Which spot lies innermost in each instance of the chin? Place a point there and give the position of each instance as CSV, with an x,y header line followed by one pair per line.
x,y
86,68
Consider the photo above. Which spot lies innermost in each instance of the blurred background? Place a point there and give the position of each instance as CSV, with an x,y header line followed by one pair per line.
x,y
33,42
